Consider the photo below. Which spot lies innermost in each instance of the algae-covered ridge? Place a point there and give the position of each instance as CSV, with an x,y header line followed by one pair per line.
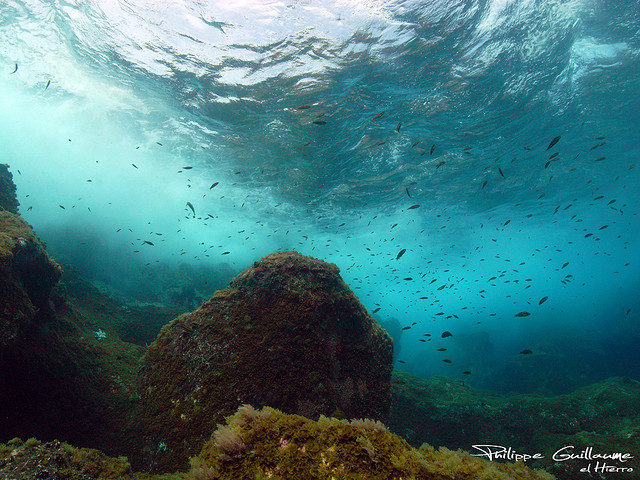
x,y
269,444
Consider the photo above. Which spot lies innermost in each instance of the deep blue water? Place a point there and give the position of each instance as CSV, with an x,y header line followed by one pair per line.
x,y
450,106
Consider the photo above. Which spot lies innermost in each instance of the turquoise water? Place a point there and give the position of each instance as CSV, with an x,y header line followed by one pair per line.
x,y
180,124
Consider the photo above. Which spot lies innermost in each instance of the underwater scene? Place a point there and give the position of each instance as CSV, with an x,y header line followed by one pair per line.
x,y
385,239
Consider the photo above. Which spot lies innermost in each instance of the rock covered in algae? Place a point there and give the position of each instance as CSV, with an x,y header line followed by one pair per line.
x,y
8,198
34,460
288,333
269,444
27,274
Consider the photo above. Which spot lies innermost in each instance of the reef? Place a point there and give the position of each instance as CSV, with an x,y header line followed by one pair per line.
x,y
34,460
269,444
446,411
287,333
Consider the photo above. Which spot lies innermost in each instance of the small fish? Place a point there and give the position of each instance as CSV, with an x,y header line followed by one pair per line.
x,y
406,328
547,164
213,185
599,159
415,143
376,310
307,143
48,83
191,207
466,372
526,352
319,122
304,107
603,227
408,279
401,361
442,349
134,165
378,115
433,147
440,163
413,207
400,253
62,207
398,127
527,148
500,170
446,360
147,242
553,142
447,334
187,168
542,300
566,263
15,70
522,314
29,208
225,253
407,190
506,223
484,184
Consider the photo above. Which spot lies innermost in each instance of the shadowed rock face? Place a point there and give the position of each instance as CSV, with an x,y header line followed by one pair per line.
x,y
27,274
288,333
8,198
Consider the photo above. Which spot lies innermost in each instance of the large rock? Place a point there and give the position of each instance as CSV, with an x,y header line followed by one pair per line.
x,y
27,274
287,333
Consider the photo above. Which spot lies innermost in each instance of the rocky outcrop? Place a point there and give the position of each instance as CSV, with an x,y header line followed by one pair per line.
x,y
287,333
8,198
27,274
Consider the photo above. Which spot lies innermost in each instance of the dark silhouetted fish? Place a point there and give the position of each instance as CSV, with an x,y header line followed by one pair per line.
x,y
526,352
213,185
400,253
48,83
191,207
447,334
407,190
376,310
553,142
446,360
225,253
319,122
433,147
542,300
147,242
500,170
304,107
413,207
378,115
398,127
415,143
522,314
15,70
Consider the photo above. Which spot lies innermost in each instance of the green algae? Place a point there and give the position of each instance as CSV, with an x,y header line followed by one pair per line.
x,y
270,444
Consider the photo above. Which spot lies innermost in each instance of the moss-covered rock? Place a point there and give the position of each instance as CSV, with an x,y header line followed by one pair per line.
x,y
287,332
27,275
34,460
8,198
269,444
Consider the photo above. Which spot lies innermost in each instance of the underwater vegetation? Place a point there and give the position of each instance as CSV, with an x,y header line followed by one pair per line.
x,y
267,443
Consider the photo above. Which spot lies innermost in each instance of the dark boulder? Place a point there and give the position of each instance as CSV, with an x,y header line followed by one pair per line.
x,y
287,333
